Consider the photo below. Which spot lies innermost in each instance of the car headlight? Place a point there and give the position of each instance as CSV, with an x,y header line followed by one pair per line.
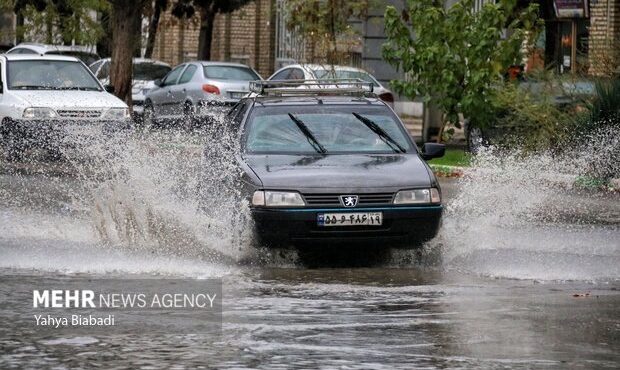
x,y
277,199
117,113
39,113
417,196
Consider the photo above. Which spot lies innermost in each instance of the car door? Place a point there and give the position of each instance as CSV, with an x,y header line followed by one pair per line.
x,y
183,91
161,97
3,112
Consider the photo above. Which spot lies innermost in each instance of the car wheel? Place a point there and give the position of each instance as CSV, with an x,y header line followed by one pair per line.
x,y
148,116
12,145
189,113
475,139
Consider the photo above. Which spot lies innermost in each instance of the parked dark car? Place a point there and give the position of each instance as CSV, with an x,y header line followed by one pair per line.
x,y
334,165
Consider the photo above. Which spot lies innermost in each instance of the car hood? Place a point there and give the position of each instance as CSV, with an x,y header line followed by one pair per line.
x,y
69,99
348,172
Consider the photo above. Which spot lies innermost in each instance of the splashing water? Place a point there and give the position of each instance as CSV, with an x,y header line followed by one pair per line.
x,y
520,215
158,192
170,195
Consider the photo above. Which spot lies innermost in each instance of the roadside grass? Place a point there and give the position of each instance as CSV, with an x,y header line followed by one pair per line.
x,y
453,157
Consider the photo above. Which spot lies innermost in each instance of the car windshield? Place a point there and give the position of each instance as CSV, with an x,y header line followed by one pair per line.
x,y
230,73
336,128
149,71
329,74
49,75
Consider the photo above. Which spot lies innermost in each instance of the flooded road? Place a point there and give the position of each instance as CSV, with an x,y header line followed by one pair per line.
x,y
504,285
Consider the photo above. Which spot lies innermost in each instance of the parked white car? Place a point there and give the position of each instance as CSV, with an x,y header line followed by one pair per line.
x,y
145,73
325,72
41,94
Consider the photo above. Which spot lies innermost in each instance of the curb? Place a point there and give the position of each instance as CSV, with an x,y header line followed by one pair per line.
x,y
447,171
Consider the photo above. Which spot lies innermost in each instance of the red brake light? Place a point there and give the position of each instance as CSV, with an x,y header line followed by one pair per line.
x,y
387,97
211,89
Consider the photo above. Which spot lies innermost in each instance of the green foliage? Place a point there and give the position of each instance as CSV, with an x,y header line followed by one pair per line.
x,y
454,56
527,120
60,21
597,131
324,25
605,108
589,182
453,157
601,111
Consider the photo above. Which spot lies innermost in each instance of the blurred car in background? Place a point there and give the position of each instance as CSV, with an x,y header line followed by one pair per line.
x,y
84,53
197,89
329,72
41,95
145,73
5,47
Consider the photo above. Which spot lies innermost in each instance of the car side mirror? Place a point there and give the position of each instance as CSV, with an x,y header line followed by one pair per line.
x,y
109,88
158,82
433,150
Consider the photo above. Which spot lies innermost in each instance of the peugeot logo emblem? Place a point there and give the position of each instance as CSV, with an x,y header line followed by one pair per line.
x,y
349,201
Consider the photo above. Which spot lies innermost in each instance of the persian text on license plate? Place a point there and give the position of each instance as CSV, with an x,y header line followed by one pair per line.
x,y
350,219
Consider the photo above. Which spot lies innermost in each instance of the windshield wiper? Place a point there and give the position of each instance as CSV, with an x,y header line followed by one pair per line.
x,y
80,88
311,139
381,133
31,87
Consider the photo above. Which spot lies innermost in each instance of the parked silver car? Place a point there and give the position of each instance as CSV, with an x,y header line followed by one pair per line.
x,y
197,88
145,72
324,72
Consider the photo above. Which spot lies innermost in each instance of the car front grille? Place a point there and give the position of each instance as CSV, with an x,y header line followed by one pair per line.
x,y
79,113
368,199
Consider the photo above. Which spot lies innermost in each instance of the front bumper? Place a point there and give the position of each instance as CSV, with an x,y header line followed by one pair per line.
x,y
403,226
51,133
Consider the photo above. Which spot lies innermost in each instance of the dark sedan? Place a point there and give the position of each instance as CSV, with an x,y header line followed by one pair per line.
x,y
335,166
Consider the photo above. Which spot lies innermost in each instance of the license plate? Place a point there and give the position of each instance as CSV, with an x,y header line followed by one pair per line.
x,y
237,94
350,219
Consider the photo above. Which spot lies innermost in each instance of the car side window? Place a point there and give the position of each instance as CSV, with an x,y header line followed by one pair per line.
x,y
282,75
94,67
22,51
173,76
1,82
296,74
104,71
188,74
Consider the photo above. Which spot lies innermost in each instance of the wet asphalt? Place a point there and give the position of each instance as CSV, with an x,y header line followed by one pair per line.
x,y
504,308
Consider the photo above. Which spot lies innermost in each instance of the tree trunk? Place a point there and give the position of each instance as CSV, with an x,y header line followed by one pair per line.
x,y
432,123
153,26
207,16
125,22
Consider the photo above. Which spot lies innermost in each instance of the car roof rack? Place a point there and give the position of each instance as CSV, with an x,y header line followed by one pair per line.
x,y
340,86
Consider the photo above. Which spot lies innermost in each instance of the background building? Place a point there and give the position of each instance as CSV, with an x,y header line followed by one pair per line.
x,y
257,35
